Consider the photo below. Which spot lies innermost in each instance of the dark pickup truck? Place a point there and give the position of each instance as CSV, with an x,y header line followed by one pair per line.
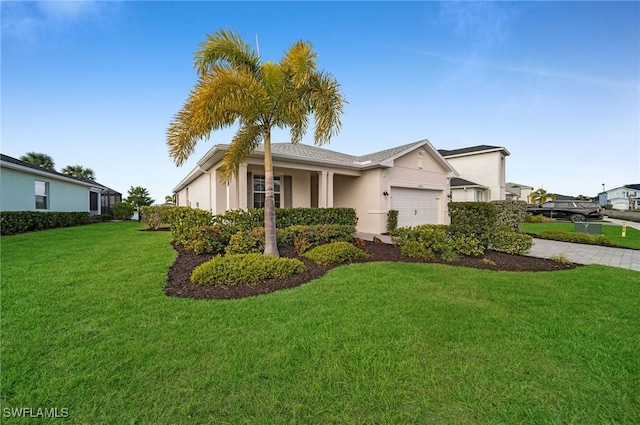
x,y
575,211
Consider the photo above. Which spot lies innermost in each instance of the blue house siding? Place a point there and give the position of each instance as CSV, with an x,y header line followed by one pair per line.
x,y
17,193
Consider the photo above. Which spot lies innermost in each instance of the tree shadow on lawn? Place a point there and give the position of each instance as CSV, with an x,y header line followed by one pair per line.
x,y
179,285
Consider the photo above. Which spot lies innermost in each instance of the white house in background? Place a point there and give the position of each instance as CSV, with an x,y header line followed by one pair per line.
x,y
518,192
28,187
625,197
482,171
413,179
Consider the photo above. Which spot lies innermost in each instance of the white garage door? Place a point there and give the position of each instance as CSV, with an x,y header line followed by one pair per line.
x,y
415,206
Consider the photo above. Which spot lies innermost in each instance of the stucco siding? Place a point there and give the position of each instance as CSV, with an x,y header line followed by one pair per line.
x,y
487,169
18,193
364,194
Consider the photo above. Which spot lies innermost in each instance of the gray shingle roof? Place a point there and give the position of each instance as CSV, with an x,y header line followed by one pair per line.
x,y
307,151
471,149
458,182
54,173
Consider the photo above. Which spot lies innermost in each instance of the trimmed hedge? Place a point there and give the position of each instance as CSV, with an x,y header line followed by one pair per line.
x,y
13,222
245,268
183,221
474,219
287,217
336,252
511,213
565,236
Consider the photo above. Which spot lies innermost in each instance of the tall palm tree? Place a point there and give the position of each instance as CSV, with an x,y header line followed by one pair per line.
x,y
40,159
541,196
79,171
235,87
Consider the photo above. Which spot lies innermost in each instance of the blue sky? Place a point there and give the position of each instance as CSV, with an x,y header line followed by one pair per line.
x,y
556,83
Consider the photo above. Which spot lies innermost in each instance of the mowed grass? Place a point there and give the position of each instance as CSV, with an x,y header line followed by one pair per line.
x,y
613,232
86,327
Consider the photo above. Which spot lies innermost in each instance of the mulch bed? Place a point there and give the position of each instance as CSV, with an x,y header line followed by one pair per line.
x,y
179,285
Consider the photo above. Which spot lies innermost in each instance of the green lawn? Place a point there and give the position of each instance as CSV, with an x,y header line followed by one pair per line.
x,y
611,231
86,327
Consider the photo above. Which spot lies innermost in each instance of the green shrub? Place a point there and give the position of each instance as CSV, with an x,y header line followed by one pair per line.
x,y
182,221
246,242
240,220
466,245
438,238
123,210
538,219
433,236
207,240
13,222
505,239
245,268
415,249
392,220
336,252
315,235
511,213
474,219
287,217
565,236
154,216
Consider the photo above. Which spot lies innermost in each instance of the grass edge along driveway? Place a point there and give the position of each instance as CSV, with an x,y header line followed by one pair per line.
x,y
86,327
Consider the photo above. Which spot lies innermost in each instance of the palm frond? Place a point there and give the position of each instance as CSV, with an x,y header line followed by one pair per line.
x,y
327,103
218,100
300,61
225,47
245,141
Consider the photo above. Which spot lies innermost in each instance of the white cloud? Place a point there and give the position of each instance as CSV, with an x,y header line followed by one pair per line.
x,y
30,21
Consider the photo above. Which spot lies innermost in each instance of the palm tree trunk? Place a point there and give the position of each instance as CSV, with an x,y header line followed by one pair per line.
x,y
270,242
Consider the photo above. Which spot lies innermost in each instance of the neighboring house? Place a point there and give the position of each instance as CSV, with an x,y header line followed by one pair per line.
x,y
467,191
518,192
413,179
28,187
483,170
621,198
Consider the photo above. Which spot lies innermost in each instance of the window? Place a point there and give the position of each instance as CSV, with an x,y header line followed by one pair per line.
x,y
479,196
42,195
259,191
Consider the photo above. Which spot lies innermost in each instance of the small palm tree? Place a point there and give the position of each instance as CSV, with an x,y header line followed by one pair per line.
x,y
40,159
78,171
541,196
236,87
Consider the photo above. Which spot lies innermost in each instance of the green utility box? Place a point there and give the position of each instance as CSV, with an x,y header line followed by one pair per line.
x,y
589,228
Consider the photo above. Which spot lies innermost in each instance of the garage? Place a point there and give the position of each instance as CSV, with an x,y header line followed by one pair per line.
x,y
415,206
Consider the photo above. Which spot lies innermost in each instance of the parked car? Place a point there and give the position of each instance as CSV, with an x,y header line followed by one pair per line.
x,y
575,211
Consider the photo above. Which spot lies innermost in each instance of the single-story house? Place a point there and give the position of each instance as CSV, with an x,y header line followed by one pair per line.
x,y
28,187
482,170
625,197
412,178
